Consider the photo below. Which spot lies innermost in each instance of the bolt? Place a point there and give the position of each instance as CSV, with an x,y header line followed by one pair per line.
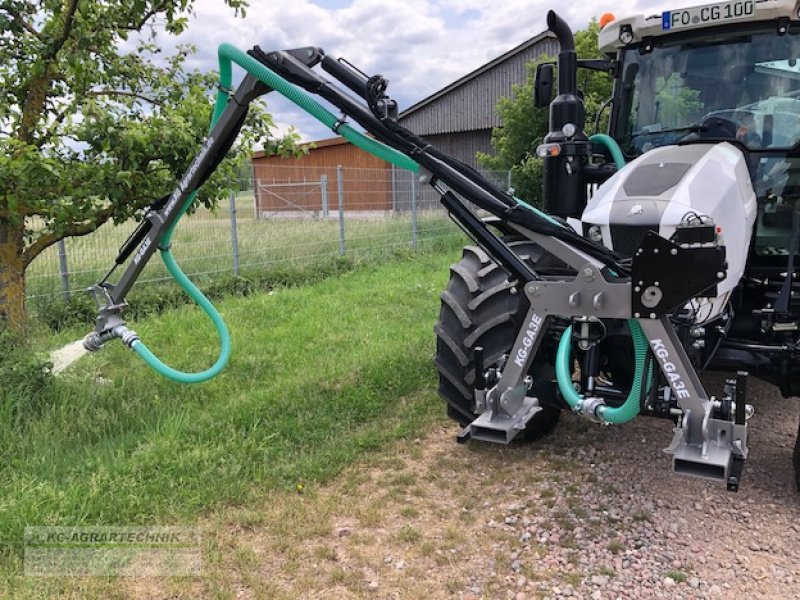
x,y
423,179
674,251
588,273
652,315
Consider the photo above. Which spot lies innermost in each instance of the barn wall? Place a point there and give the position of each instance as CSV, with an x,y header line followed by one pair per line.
x,y
366,180
463,145
472,105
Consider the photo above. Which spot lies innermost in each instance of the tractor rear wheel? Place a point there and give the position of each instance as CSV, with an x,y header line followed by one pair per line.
x,y
480,307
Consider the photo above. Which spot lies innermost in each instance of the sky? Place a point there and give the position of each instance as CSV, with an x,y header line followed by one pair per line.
x,y
420,46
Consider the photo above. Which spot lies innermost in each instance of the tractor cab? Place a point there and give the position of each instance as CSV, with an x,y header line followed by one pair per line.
x,y
721,72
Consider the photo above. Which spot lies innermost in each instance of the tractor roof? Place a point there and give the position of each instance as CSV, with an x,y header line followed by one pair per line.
x,y
702,16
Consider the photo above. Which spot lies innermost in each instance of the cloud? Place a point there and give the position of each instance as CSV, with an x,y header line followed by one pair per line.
x,y
419,45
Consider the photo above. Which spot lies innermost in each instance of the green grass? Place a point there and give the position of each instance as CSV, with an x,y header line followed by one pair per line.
x,y
202,244
320,375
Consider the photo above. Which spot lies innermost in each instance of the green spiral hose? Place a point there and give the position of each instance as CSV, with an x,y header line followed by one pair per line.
x,y
630,408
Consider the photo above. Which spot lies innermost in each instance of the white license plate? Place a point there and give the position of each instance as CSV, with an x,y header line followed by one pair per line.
x,y
711,14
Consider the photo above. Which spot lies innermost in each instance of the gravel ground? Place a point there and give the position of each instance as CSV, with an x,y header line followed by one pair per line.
x,y
587,513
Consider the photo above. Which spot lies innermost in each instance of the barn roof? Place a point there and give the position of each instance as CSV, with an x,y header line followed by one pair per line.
x,y
335,141
469,103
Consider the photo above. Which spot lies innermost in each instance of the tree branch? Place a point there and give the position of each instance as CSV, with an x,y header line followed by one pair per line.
x,y
69,18
124,93
74,230
146,17
22,22
37,88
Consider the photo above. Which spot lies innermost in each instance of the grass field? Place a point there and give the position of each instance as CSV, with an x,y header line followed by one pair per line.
x,y
202,244
320,375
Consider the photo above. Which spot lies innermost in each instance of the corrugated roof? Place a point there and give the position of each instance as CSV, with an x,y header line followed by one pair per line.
x,y
336,141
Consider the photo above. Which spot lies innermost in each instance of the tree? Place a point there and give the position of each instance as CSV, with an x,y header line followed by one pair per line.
x,y
524,125
95,123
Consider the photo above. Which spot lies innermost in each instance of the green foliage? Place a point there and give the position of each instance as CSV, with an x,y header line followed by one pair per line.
x,y
95,122
24,376
524,126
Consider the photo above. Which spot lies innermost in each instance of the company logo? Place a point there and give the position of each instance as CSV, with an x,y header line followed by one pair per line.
x,y
636,209
670,370
530,336
142,249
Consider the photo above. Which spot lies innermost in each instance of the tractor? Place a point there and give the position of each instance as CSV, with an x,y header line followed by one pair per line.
x,y
662,249
700,167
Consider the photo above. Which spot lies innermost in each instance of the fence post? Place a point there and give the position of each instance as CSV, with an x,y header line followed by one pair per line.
x,y
323,182
414,193
62,265
394,189
256,199
234,235
340,189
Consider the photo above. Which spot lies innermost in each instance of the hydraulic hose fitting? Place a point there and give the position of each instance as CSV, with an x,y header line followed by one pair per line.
x,y
94,341
592,408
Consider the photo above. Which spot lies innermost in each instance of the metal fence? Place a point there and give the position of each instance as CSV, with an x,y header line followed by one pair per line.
x,y
297,216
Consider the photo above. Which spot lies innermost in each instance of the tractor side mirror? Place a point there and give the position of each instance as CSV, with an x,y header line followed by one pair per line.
x,y
543,85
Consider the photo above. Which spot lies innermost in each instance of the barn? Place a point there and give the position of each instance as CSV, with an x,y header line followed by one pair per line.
x,y
312,184
458,119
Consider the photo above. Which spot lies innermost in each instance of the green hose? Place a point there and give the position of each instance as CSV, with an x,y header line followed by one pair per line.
x,y
227,55
185,283
630,408
613,147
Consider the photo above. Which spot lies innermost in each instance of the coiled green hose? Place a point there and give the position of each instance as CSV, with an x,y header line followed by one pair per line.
x,y
630,408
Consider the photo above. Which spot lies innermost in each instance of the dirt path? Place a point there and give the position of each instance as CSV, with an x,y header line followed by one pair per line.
x,y
589,512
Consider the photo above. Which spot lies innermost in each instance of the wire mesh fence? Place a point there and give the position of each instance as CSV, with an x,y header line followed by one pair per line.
x,y
296,215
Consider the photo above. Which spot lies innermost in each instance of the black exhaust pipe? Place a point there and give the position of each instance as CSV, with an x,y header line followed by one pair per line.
x,y
564,183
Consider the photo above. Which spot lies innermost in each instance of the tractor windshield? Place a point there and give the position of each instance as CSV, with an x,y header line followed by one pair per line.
x,y
743,86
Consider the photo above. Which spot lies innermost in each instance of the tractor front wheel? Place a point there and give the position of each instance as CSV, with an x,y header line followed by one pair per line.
x,y
480,307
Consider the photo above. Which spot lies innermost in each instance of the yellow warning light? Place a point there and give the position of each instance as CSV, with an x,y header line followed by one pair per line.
x,y
606,19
